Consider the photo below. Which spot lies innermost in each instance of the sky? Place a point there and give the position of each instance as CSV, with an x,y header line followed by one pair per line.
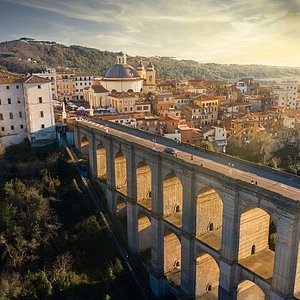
x,y
218,31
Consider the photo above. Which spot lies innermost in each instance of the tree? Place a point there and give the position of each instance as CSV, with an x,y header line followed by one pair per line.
x,y
38,284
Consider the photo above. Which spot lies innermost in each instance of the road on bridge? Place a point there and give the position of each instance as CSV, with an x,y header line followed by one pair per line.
x,y
282,183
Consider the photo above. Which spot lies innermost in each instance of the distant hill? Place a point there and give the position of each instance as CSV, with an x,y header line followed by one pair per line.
x,y
27,55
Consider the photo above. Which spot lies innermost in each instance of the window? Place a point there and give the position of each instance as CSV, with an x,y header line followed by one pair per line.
x,y
40,100
208,288
43,126
42,114
0,101
7,87
12,127
2,129
11,116
9,100
21,126
20,114
17,87
39,86
18,100
1,117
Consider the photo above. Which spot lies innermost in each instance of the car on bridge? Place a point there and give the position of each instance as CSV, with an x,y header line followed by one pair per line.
x,y
170,150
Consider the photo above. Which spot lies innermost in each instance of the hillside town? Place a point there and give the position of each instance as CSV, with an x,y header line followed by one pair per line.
x,y
199,112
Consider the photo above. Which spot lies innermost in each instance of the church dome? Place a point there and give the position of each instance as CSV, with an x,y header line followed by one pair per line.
x,y
121,71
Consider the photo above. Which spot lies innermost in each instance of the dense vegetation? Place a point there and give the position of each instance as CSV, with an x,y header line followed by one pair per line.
x,y
52,245
26,55
260,151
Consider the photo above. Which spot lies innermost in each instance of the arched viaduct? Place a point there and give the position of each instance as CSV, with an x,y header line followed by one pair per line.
x,y
211,236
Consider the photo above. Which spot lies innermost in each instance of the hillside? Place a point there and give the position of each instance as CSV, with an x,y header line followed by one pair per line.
x,y
27,55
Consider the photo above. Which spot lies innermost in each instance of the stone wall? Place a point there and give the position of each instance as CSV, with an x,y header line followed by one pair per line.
x,y
101,162
172,252
143,184
248,290
120,173
172,195
254,230
209,211
207,273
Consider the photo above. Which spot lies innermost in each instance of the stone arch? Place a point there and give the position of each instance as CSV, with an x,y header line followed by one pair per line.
x,y
144,233
130,91
101,162
172,258
209,217
207,277
150,79
255,233
85,146
172,199
121,173
248,290
144,185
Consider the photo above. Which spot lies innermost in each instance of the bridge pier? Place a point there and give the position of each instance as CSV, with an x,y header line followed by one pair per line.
x,y
110,181
188,268
93,156
285,265
132,227
157,281
230,245
188,264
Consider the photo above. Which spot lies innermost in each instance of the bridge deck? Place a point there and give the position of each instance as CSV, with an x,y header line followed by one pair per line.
x,y
277,182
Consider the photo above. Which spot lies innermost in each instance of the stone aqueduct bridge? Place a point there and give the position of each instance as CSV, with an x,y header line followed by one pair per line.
x,y
207,226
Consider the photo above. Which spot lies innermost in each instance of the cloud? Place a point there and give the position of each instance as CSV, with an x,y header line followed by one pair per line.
x,y
207,31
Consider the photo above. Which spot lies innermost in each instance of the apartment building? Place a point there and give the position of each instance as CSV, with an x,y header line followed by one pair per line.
x,y
65,79
124,102
50,73
82,81
25,109
203,111
285,94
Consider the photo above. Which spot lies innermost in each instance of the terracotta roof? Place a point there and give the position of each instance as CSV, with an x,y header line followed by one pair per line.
x,y
35,79
7,78
122,95
98,88
169,117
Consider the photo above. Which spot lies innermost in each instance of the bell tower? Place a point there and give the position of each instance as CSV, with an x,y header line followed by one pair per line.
x,y
141,70
121,58
150,85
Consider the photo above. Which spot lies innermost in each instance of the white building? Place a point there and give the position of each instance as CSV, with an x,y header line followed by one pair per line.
x,y
216,135
285,94
96,95
50,73
242,86
25,109
122,77
82,81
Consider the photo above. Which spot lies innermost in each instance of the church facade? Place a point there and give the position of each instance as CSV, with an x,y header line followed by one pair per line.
x,y
122,77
